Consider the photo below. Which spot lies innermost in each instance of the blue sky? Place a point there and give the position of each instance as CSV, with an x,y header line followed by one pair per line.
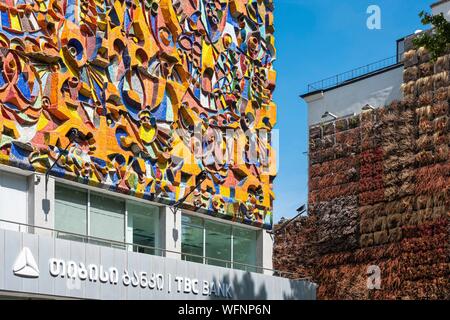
x,y
317,39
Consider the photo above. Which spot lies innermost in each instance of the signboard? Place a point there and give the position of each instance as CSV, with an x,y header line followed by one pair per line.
x,y
77,272
54,267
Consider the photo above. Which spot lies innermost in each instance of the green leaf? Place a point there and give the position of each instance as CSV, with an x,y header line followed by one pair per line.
x,y
439,41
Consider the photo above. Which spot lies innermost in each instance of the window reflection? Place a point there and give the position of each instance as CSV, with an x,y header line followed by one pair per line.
x,y
71,210
142,227
107,218
86,213
218,243
192,239
244,249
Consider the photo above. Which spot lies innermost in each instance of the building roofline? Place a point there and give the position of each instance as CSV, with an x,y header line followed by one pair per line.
x,y
351,81
438,3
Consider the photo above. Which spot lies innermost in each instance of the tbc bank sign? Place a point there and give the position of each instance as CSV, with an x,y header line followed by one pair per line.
x,y
76,272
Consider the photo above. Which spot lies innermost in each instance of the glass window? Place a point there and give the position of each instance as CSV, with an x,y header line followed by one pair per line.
x,y
191,220
143,226
218,243
192,238
70,211
107,217
244,249
84,212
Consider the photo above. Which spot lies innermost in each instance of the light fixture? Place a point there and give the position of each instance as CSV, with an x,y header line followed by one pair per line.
x,y
329,114
301,209
72,135
300,212
200,178
368,107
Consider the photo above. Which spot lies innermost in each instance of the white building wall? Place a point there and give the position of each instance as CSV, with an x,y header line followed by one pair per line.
x,y
13,200
41,203
264,251
442,7
179,278
24,198
377,90
170,226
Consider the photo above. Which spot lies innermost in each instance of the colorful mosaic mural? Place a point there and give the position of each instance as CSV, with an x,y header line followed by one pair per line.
x,y
140,80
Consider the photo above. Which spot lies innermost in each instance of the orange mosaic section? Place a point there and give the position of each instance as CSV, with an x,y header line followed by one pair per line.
x,y
160,90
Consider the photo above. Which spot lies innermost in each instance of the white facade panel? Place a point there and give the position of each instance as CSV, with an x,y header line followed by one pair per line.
x,y
24,199
13,200
444,8
377,90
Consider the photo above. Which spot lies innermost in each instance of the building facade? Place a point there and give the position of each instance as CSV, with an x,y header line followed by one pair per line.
x,y
376,84
379,185
142,126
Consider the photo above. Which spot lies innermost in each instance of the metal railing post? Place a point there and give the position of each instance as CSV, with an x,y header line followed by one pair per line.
x,y
354,73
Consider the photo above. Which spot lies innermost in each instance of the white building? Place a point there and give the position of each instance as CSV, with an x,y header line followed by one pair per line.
x,y
442,6
75,241
376,84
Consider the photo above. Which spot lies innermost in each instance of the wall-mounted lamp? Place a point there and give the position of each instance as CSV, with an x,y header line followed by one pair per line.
x,y
201,177
368,107
301,209
329,114
300,212
71,135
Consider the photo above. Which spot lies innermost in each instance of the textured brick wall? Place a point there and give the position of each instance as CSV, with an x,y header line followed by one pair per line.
x,y
380,195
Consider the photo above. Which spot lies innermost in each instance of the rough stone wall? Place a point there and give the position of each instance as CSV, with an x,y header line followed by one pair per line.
x,y
380,195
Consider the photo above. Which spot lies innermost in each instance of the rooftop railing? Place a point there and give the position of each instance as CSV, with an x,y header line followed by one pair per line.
x,y
354,74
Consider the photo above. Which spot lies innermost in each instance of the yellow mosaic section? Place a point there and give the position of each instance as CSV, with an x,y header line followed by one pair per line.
x,y
159,91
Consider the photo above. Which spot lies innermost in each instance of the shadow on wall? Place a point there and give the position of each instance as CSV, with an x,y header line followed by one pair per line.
x,y
244,288
301,290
